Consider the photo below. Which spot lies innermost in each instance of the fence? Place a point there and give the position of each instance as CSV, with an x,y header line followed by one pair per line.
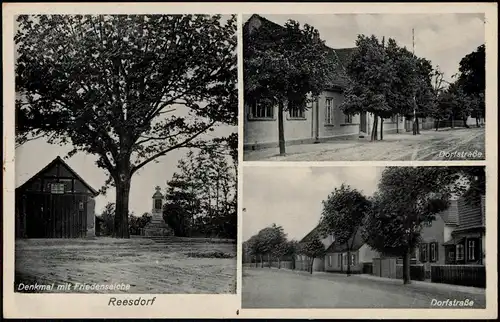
x,y
417,272
466,275
367,268
384,267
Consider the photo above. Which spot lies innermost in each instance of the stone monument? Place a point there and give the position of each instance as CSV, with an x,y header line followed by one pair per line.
x,y
157,226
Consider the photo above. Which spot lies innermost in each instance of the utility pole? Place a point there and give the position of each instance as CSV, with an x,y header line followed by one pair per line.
x,y
415,129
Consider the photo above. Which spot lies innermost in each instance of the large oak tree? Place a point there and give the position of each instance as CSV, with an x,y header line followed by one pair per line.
x,y
126,88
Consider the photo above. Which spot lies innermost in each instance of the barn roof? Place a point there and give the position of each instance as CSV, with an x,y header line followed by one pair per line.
x,y
338,79
59,160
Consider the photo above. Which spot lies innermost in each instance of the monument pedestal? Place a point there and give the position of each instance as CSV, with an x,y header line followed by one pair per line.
x,y
157,227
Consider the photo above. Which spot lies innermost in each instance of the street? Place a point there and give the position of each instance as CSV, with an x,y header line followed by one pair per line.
x,y
273,288
452,144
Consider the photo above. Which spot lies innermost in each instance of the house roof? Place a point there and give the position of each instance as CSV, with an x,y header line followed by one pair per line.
x,y
338,80
356,244
450,215
470,215
59,160
309,235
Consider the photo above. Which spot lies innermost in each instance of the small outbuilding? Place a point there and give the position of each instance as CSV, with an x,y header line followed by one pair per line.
x,y
55,203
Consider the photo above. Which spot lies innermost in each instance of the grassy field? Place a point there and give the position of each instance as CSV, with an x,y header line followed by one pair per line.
x,y
171,267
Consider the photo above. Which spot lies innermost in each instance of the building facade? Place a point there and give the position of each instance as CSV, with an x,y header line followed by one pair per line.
x,y
321,120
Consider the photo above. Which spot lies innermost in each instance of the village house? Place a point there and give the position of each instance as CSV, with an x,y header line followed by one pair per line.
x,y
303,262
456,236
55,203
435,235
337,257
467,243
321,120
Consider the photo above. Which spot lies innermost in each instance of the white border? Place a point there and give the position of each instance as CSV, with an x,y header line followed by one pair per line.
x,y
89,305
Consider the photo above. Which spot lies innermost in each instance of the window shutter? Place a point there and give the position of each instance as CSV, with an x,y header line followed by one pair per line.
x,y
437,251
477,250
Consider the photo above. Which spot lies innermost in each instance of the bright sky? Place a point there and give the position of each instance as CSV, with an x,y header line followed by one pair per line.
x,y
442,38
292,196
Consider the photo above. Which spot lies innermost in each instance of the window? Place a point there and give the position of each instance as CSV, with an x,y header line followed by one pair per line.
x,y
348,119
296,114
330,260
423,252
353,259
460,252
414,253
57,188
68,184
344,259
451,255
433,252
329,111
471,250
262,111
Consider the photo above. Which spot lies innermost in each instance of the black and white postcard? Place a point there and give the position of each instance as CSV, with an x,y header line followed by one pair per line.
x,y
250,160
364,237
364,87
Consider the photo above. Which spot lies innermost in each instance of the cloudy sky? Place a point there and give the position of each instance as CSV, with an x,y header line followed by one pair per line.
x,y
291,196
442,38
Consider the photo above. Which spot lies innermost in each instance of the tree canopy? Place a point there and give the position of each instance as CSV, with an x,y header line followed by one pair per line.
x,y
343,213
285,67
407,198
126,88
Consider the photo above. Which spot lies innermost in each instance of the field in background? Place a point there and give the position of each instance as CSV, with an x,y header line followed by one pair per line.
x,y
168,266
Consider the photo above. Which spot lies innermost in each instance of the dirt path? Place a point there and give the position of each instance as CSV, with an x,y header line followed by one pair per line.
x,y
429,145
148,267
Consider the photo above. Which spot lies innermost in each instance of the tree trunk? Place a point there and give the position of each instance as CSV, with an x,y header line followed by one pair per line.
x,y
418,126
397,124
406,268
121,227
279,263
261,262
281,129
381,129
452,121
373,136
437,124
477,121
293,262
348,273
312,265
256,262
465,122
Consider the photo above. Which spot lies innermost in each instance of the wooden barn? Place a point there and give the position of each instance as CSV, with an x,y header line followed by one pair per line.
x,y
55,203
